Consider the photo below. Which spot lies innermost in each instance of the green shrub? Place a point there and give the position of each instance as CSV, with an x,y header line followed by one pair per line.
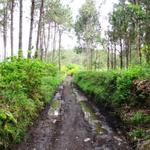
x,y
113,87
137,118
100,84
139,133
26,85
70,69
140,118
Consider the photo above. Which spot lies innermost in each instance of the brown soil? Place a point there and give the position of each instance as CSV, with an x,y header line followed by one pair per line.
x,y
69,130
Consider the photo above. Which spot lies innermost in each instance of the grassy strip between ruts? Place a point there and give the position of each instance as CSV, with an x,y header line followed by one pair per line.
x,y
26,85
127,91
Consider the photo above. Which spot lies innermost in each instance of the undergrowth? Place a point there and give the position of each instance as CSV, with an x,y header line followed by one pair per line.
x,y
25,87
127,91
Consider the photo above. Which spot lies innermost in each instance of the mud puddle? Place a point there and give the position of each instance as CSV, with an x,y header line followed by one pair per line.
x,y
105,137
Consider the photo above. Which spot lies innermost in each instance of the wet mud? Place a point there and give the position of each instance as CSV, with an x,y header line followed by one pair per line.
x,y
70,122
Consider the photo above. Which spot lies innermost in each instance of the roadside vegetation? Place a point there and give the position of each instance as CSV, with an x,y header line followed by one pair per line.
x,y
26,86
110,64
126,91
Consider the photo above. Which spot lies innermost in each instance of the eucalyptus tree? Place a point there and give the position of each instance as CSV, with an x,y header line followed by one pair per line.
x,y
31,28
126,22
12,26
87,28
4,10
138,17
145,4
51,16
117,23
64,24
37,53
129,22
20,52
59,18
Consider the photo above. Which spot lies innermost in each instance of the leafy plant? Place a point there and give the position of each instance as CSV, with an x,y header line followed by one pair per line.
x,y
26,85
70,69
138,133
138,118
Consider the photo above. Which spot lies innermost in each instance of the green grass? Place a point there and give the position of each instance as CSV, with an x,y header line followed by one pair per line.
x,y
114,87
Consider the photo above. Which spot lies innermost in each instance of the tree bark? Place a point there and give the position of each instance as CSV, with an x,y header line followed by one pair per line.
x,y
139,45
46,42
5,25
54,41
112,57
108,57
130,54
121,54
42,39
127,53
12,27
59,56
91,59
20,53
31,29
39,29
138,37
41,46
115,57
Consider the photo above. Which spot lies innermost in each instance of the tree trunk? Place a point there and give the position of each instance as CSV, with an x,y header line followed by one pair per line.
x,y
31,29
12,27
138,36
112,55
5,24
96,59
20,53
130,54
42,40
59,57
127,53
121,54
46,42
139,45
91,59
41,46
54,41
39,29
108,57
115,57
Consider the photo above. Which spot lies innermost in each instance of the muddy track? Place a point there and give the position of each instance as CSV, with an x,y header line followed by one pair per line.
x,y
71,123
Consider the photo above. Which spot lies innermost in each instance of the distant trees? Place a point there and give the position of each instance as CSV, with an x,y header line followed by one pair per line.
x,y
127,39
48,20
129,27
87,28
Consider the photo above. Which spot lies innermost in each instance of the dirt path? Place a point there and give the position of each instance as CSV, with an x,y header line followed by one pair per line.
x,y
71,124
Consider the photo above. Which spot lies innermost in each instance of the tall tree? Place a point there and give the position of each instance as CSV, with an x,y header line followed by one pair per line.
x,y
5,6
54,41
59,53
39,29
20,52
47,39
87,28
31,28
12,27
